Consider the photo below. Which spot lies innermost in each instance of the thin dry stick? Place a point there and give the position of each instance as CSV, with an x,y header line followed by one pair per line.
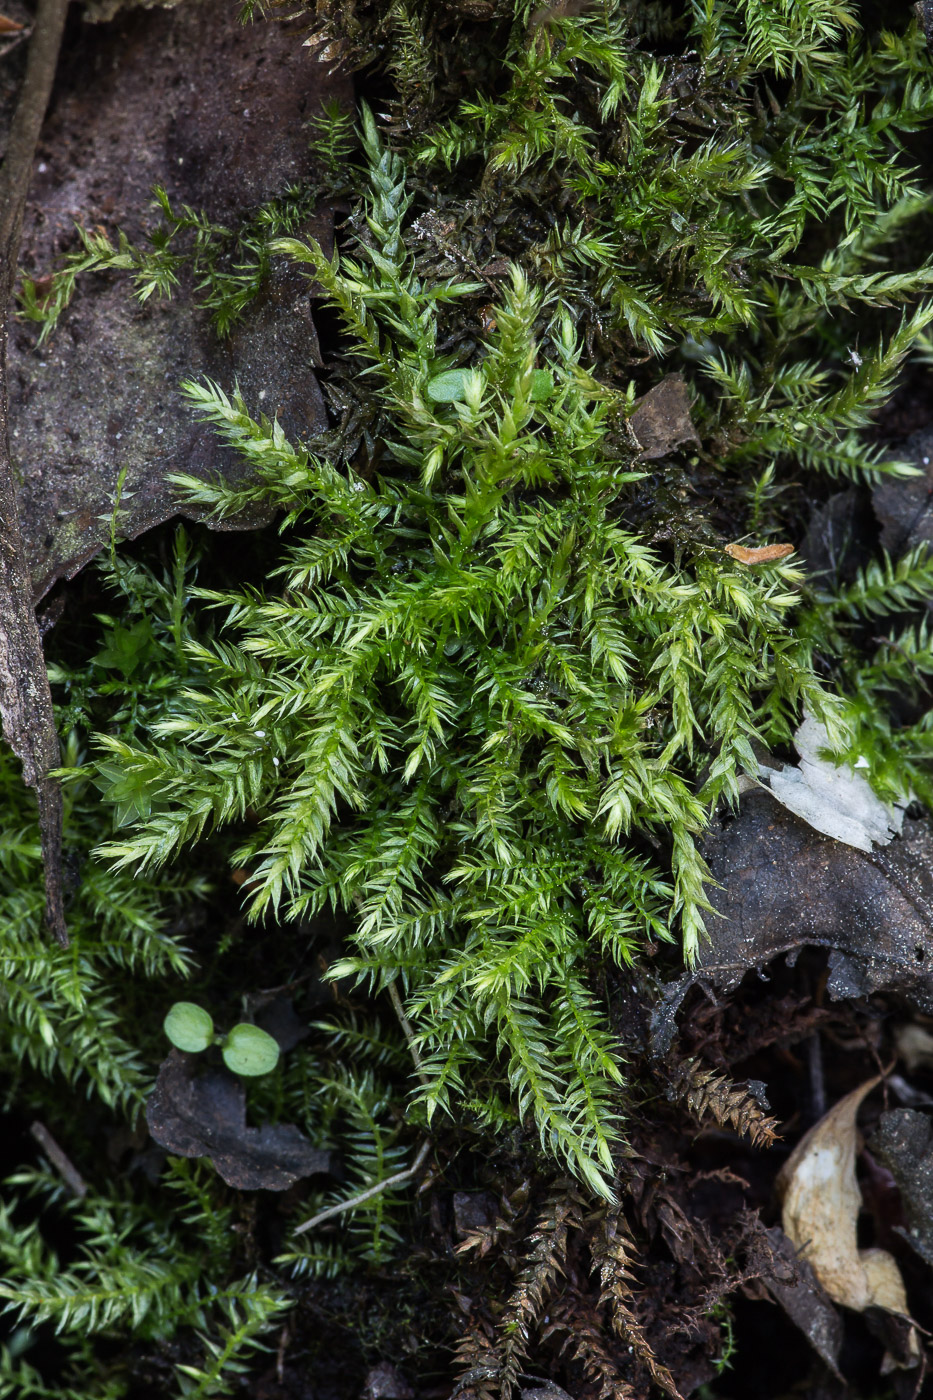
x,y
60,1160
25,699
342,1206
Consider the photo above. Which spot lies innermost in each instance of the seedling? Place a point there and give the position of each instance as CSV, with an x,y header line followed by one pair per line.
x,y
246,1049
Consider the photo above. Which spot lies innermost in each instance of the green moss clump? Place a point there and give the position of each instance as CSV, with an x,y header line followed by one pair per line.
x,y
505,669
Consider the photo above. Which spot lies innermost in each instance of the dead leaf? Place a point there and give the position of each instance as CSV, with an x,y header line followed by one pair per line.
x,y
831,797
914,1046
820,1208
661,421
475,1212
547,1391
780,885
794,1286
25,699
9,26
903,1142
904,505
761,554
839,538
276,1015
203,1114
148,101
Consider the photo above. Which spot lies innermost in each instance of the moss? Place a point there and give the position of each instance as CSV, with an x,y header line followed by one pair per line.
x,y
481,710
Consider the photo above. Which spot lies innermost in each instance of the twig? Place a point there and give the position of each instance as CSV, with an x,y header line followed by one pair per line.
x,y
342,1206
62,1163
25,699
408,1031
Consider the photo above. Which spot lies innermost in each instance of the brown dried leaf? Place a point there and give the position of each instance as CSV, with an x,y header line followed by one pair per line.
x,y
9,26
761,554
204,1115
661,421
821,1203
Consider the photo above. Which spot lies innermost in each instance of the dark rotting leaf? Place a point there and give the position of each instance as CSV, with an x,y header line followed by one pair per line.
x,y
903,1142
779,886
25,698
202,1113
661,421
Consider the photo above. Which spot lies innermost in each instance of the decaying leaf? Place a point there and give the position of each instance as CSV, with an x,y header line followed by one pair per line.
x,y
794,1286
914,1046
904,504
386,1382
832,798
821,1203
25,699
780,885
203,1114
9,26
760,554
182,99
903,1142
661,421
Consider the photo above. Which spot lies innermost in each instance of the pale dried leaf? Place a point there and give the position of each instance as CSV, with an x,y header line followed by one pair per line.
x,y
820,1214
914,1046
837,801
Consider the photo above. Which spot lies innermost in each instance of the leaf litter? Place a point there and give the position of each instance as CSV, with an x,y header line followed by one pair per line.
x,y
830,797
821,1202
179,99
202,1113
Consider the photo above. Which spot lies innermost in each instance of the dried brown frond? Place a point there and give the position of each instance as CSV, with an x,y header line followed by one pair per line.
x,y
579,1325
479,1242
709,1094
478,1364
609,1245
544,1262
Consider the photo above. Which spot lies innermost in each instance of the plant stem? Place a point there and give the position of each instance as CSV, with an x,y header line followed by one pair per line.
x,y
343,1206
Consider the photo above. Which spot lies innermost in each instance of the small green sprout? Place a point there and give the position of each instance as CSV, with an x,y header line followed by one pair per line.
x,y
246,1049
189,1027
